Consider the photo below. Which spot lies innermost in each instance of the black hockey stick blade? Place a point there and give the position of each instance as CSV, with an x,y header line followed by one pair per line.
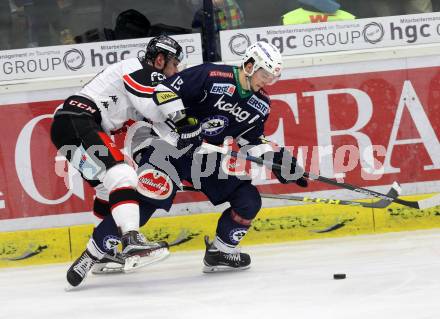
x,y
183,237
424,204
382,203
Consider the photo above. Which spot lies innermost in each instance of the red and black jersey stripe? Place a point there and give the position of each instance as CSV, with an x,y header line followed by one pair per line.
x,y
137,86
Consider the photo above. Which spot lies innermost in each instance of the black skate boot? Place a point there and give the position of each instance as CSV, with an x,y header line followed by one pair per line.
x,y
135,243
217,260
79,269
139,252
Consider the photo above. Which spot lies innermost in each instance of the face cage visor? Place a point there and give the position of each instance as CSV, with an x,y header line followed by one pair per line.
x,y
267,77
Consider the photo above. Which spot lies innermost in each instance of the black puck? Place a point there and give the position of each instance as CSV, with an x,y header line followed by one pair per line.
x,y
339,276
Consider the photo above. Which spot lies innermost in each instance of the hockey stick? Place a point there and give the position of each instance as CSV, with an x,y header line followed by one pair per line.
x,y
382,203
422,204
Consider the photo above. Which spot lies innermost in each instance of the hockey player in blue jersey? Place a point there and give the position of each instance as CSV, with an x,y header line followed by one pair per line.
x,y
211,102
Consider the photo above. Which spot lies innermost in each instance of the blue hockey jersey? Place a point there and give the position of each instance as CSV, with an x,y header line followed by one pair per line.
x,y
213,94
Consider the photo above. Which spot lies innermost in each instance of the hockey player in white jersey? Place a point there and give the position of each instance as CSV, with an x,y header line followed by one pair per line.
x,y
80,131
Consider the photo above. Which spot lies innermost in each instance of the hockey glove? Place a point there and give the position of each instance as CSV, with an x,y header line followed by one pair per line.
x,y
291,169
189,130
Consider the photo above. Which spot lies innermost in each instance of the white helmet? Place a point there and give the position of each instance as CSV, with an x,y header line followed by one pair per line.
x,y
266,56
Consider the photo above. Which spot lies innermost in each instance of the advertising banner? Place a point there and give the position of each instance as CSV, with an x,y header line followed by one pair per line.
x,y
336,36
367,129
88,58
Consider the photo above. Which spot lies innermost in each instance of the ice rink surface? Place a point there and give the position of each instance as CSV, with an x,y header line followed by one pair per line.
x,y
388,276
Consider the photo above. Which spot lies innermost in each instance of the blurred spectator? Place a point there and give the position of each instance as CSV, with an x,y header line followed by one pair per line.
x,y
5,25
400,7
44,21
312,11
328,6
380,8
228,14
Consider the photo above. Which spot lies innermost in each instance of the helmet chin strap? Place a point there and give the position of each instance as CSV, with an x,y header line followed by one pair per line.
x,y
248,81
248,78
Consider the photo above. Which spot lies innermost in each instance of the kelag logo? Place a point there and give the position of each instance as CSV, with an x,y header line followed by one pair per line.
x,y
74,59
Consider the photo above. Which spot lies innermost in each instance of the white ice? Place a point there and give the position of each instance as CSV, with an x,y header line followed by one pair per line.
x,y
393,276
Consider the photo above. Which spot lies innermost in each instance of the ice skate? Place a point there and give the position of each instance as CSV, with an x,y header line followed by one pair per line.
x,y
80,268
139,252
217,260
111,263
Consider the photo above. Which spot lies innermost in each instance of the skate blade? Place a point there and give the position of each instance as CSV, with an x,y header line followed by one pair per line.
x,y
69,287
139,262
107,268
220,268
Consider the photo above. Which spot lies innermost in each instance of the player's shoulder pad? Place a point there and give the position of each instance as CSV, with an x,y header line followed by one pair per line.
x,y
164,95
262,94
219,71
261,101
140,78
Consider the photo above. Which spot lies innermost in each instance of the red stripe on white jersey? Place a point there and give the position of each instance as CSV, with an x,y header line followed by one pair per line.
x,y
136,85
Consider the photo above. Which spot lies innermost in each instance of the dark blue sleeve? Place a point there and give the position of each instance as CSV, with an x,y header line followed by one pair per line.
x,y
255,135
189,84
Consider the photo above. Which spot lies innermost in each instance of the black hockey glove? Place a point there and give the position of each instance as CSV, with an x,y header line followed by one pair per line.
x,y
289,162
189,130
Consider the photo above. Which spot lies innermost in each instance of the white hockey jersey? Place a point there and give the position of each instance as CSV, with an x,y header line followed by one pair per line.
x,y
122,92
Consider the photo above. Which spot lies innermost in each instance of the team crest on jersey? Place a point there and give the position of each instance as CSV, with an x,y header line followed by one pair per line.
x,y
154,184
237,234
163,97
214,125
258,104
111,242
223,88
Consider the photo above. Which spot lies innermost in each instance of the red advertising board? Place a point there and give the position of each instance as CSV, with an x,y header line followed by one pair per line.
x,y
375,128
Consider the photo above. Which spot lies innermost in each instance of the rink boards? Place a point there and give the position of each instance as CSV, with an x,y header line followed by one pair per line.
x,y
324,106
277,224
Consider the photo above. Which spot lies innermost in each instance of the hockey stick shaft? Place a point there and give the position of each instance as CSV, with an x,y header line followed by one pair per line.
x,y
394,192
269,164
